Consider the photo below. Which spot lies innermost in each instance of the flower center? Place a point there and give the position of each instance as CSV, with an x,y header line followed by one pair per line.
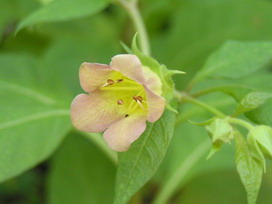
x,y
126,94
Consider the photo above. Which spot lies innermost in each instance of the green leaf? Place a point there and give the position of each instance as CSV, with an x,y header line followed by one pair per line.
x,y
186,160
32,122
203,123
215,148
249,169
80,173
141,161
263,114
182,46
63,10
237,59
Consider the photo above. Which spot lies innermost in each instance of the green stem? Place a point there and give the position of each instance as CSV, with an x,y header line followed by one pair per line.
x,y
187,98
240,122
194,111
205,91
133,11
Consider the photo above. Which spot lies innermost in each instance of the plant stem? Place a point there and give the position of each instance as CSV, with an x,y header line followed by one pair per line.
x,y
240,122
133,11
193,111
187,98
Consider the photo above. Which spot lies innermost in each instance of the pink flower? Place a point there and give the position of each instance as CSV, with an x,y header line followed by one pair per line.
x,y
120,98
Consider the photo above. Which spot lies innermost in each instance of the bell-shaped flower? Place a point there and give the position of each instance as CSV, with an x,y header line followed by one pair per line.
x,y
120,98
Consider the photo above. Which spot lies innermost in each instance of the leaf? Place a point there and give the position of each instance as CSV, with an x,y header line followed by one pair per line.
x,y
140,162
249,169
188,39
263,114
80,173
63,10
237,59
32,123
185,159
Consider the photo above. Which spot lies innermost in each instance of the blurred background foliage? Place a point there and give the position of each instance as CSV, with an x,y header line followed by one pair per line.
x,y
45,58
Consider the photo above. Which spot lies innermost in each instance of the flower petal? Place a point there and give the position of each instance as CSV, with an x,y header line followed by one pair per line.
x,y
153,81
93,75
95,112
130,66
156,105
122,133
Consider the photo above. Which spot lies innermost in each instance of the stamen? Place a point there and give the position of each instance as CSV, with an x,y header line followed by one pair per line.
x,y
119,80
120,102
126,115
138,98
121,88
110,82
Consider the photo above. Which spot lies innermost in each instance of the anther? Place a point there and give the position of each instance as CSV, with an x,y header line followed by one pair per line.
x,y
126,115
120,102
119,80
138,98
110,82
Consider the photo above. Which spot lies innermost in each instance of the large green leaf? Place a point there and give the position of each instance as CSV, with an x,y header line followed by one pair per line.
x,y
32,123
222,187
61,10
186,39
249,169
237,59
8,19
140,162
80,173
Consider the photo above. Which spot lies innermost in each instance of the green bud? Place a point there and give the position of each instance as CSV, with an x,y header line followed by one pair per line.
x,y
220,132
262,134
252,100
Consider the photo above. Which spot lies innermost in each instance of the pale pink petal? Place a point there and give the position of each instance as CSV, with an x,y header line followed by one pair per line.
x,y
95,112
130,66
153,82
156,105
122,133
93,75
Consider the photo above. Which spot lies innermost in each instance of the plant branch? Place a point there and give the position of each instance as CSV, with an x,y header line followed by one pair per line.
x,y
186,98
240,122
134,13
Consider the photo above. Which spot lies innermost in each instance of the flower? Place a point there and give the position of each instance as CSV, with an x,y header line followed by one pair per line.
x,y
120,98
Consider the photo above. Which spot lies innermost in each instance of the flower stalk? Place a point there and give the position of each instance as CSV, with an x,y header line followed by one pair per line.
x,y
132,9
